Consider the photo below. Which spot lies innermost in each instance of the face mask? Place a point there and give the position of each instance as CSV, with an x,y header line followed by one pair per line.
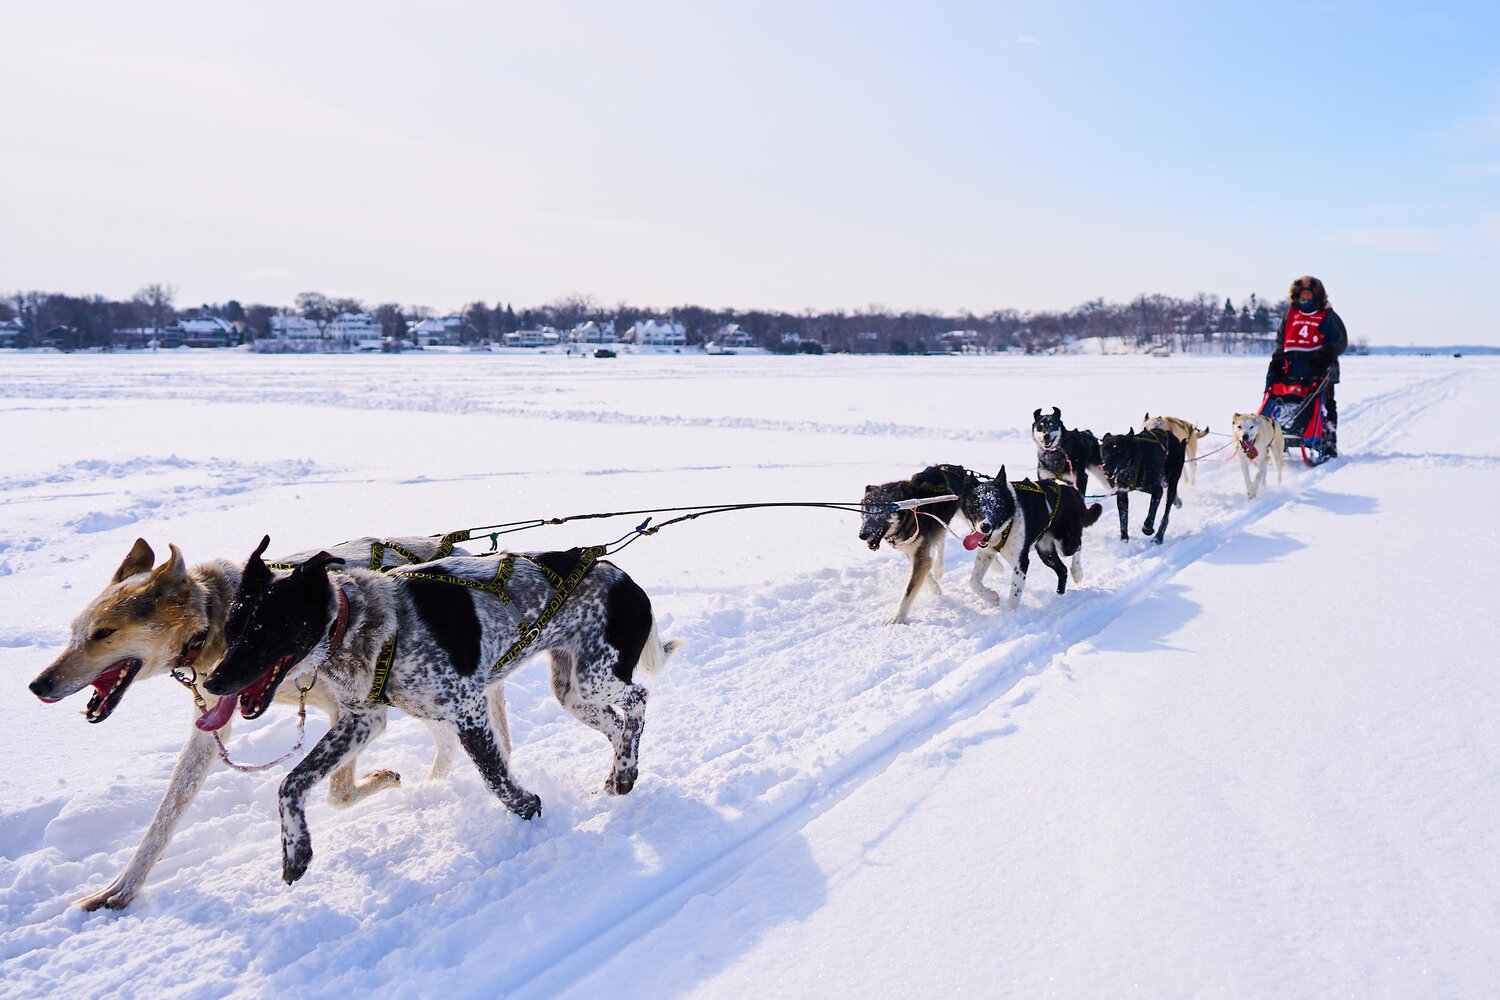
x,y
1307,305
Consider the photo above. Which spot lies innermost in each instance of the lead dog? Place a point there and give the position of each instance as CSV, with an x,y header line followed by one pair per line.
x,y
1068,455
149,622
1258,441
1184,431
1151,462
431,640
918,533
1048,516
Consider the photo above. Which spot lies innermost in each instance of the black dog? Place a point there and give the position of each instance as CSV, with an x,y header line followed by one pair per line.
x,y
1151,462
916,532
1064,454
1010,519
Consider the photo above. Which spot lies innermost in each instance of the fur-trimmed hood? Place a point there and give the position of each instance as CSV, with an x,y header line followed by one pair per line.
x,y
1309,283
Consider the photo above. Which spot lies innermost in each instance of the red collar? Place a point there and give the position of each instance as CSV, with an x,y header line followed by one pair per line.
x,y
340,623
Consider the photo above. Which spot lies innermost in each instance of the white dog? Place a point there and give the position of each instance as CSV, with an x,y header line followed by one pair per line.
x,y
1258,440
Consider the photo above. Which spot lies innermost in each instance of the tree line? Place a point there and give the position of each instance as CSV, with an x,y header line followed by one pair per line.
x,y
1147,322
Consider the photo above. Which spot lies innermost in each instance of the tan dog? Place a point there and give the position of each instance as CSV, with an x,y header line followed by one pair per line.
x,y
149,622
1259,441
1184,431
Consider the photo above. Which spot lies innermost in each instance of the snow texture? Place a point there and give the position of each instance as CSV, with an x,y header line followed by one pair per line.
x,y
1258,760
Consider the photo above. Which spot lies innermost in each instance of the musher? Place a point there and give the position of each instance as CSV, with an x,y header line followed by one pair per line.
x,y
1308,346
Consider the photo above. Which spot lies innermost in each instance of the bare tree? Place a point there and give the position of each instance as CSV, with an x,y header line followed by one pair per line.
x,y
156,301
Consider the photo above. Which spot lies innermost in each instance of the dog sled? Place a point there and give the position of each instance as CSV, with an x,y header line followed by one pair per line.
x,y
1300,406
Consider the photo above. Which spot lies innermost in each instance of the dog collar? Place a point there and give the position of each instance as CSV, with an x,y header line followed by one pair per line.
x,y
340,621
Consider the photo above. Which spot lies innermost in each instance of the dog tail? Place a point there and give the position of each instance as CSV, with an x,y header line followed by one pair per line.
x,y
654,654
1092,514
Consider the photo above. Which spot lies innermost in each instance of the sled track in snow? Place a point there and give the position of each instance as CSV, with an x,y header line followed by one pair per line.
x,y
962,694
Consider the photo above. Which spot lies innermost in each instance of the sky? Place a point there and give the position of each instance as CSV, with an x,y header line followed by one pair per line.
x,y
761,155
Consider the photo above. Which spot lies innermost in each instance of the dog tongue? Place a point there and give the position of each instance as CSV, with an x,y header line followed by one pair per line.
x,y
1250,449
215,717
972,542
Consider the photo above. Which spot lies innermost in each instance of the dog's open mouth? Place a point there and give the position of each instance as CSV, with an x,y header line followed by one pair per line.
x,y
976,540
1249,446
252,701
109,688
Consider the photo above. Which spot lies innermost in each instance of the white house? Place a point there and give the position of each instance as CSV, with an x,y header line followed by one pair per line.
x,y
446,331
594,334
732,335
295,328
355,331
545,337
658,333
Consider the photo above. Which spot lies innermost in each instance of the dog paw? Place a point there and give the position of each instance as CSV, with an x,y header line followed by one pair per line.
x,y
896,620
621,784
1147,530
528,806
294,862
381,778
111,897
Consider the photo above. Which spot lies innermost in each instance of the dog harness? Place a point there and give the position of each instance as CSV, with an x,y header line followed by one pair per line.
x,y
1039,488
563,587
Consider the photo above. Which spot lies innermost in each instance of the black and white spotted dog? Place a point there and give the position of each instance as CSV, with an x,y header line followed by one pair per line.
x,y
1068,455
1150,462
1010,519
916,532
453,643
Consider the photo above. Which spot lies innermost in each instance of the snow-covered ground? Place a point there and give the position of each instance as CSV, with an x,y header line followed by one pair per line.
x,y
1258,760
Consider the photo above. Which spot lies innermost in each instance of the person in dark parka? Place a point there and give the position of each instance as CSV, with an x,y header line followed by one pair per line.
x,y
1308,344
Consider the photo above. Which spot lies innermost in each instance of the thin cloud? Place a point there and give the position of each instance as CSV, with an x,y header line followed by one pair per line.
x,y
1391,239
1028,40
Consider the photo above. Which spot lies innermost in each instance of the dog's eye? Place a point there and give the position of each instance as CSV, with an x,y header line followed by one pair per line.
x,y
101,634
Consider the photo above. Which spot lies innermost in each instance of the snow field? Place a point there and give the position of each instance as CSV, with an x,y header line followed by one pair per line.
x,y
787,707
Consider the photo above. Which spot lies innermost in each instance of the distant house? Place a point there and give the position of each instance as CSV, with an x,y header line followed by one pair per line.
x,y
355,332
12,332
594,334
732,335
657,333
446,331
295,328
206,332
545,337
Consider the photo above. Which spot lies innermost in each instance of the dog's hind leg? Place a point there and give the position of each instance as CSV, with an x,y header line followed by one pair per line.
x,y
982,560
1166,514
193,765
340,744
921,561
1122,504
1046,551
588,688
935,574
1149,528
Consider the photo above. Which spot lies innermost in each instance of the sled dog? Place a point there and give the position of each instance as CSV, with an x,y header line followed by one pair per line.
x,y
1184,431
1068,455
149,622
1258,441
1150,462
431,640
918,533
1010,519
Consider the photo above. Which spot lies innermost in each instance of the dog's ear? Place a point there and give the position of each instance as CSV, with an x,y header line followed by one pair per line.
x,y
1036,414
139,559
320,563
1056,413
172,574
1000,476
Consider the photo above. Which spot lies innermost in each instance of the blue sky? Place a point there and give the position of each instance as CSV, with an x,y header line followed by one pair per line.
x,y
775,155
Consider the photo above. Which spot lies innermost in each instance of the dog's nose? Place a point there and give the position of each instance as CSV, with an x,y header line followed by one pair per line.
x,y
984,527
41,687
